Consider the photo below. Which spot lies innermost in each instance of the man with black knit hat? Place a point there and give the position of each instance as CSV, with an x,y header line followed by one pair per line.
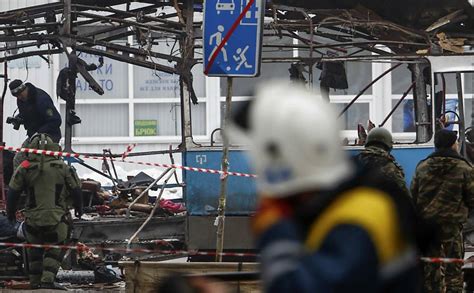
x,y
443,192
36,112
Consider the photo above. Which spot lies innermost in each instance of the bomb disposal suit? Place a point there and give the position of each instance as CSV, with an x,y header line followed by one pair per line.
x,y
51,187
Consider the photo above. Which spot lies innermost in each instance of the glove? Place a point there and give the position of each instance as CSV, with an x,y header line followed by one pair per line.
x,y
270,212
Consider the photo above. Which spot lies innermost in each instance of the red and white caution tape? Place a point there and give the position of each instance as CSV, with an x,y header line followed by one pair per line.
x,y
130,148
76,155
446,260
83,247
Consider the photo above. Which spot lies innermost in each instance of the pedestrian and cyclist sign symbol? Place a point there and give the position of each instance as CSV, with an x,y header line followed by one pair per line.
x,y
232,37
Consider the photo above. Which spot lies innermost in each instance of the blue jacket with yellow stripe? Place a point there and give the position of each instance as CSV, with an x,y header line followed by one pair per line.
x,y
355,239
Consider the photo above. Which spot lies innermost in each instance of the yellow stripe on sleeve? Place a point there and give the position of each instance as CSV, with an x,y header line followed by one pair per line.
x,y
369,208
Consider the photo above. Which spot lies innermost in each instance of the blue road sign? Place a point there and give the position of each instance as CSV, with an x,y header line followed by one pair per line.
x,y
232,37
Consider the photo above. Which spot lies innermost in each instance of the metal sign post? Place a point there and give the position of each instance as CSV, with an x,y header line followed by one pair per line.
x,y
232,47
232,37
225,168
2,163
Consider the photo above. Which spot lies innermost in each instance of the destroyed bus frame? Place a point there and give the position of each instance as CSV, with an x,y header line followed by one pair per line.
x,y
428,88
431,109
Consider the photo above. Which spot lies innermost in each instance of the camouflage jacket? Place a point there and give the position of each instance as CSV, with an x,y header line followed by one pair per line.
x,y
48,186
375,157
443,187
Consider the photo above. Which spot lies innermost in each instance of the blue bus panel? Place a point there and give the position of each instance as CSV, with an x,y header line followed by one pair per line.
x,y
408,158
203,189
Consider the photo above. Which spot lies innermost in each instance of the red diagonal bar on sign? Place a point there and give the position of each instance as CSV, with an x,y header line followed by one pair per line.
x,y
227,36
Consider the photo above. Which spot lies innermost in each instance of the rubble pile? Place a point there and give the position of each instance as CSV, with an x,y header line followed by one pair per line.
x,y
126,198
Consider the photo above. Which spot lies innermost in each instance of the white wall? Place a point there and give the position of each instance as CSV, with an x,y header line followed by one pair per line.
x,y
14,4
39,74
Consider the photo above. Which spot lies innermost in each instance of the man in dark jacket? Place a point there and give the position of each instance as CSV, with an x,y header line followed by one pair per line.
x,y
443,192
36,110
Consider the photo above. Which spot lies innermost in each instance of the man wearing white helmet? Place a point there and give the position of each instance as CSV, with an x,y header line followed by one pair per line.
x,y
322,226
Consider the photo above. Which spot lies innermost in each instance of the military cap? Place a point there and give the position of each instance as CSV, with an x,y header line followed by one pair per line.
x,y
380,135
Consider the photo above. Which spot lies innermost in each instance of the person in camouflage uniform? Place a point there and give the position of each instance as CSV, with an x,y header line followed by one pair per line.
x,y
376,154
51,187
443,192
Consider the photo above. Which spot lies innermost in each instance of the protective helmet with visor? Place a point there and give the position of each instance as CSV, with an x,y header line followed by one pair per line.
x,y
42,141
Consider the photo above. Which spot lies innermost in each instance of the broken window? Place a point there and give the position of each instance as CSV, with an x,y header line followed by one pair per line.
x,y
403,119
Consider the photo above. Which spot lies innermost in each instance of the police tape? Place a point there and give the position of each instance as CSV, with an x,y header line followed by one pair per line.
x,y
83,248
77,155
129,149
446,260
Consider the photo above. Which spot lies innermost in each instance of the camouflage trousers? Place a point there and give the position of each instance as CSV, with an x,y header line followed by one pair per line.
x,y
445,277
44,263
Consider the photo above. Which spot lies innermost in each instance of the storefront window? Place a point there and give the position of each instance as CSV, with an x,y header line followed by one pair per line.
x,y
99,120
112,77
168,117
151,84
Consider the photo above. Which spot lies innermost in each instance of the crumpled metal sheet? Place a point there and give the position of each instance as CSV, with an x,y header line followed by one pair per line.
x,y
417,14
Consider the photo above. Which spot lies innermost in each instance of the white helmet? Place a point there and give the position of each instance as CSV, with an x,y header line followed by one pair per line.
x,y
294,141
